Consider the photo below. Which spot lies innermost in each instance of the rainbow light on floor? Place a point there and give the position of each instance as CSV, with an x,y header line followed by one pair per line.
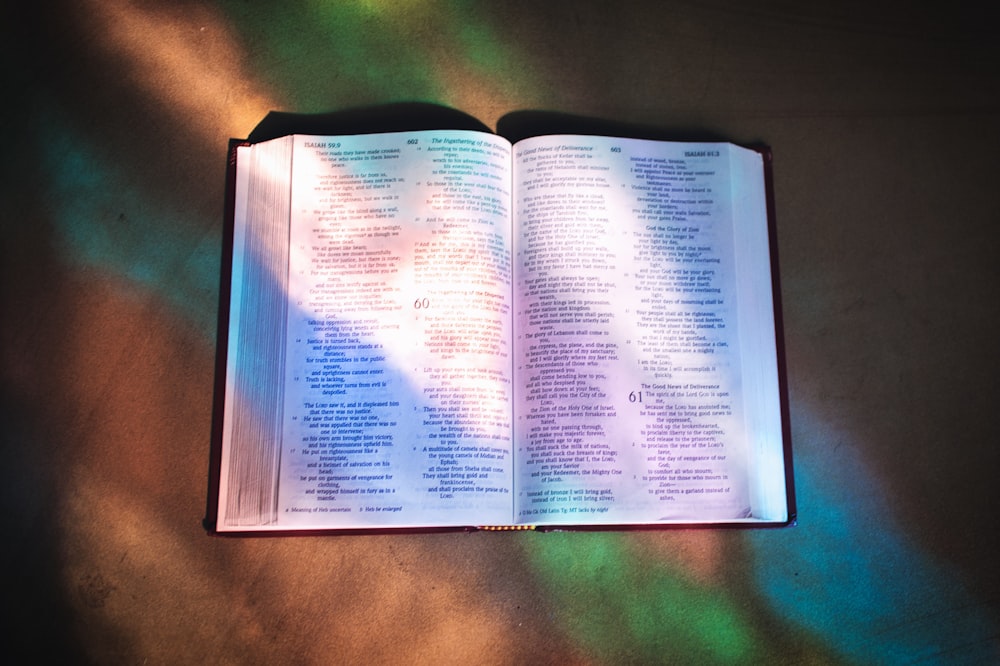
x,y
847,562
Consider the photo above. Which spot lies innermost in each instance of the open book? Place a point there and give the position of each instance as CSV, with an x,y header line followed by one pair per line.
x,y
432,329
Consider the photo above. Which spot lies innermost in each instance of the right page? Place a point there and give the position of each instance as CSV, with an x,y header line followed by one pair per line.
x,y
645,372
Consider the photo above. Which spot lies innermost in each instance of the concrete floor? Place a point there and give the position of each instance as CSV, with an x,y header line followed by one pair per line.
x,y
884,121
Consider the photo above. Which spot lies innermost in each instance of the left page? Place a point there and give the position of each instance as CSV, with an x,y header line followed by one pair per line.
x,y
369,367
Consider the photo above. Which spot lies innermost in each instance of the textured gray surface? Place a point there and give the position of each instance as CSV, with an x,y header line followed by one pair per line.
x,y
885,125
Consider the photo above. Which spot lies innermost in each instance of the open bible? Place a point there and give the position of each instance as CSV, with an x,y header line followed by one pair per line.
x,y
444,329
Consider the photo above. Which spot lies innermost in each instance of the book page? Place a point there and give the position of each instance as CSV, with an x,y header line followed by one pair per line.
x,y
627,336
397,359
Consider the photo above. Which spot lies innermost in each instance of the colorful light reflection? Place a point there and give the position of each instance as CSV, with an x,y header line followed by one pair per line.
x,y
836,585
